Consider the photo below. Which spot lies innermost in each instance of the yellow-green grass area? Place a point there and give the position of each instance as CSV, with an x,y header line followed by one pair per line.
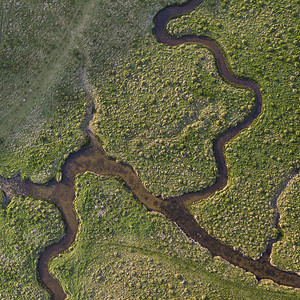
x,y
286,252
27,226
260,40
44,50
124,252
160,110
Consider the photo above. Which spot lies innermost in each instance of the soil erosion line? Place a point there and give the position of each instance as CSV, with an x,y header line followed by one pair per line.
x,y
266,255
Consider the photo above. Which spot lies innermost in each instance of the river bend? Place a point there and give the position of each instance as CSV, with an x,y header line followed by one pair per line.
x,y
93,159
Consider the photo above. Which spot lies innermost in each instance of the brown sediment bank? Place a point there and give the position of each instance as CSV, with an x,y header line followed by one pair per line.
x,y
93,159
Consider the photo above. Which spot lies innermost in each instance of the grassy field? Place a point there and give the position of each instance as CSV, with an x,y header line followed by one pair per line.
x,y
286,252
124,252
158,109
260,41
27,226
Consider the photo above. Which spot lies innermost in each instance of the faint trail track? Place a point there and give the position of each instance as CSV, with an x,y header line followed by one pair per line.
x,y
93,159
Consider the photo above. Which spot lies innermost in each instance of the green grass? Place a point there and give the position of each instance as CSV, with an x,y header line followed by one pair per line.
x,y
122,251
27,226
286,252
159,112
260,41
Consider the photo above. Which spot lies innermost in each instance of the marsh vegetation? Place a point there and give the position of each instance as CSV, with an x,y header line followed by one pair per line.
x,y
157,109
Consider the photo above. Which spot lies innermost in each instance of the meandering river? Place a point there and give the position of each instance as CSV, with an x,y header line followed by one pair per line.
x,y
93,159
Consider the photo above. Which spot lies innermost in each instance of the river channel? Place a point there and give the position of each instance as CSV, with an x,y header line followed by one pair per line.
x,y
93,159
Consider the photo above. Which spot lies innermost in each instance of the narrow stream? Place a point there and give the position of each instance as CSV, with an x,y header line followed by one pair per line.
x,y
93,159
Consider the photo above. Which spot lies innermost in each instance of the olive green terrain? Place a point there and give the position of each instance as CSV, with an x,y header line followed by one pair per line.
x,y
27,226
124,252
261,41
286,252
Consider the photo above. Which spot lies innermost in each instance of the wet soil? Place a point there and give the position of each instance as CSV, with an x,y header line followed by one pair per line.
x,y
93,159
